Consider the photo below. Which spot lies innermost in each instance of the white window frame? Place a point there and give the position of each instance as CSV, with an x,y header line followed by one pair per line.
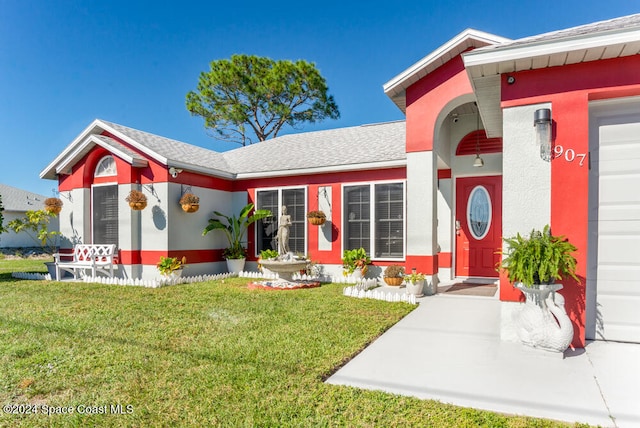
x,y
107,173
372,211
93,186
279,189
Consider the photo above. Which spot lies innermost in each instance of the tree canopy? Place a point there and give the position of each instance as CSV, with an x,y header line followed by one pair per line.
x,y
248,98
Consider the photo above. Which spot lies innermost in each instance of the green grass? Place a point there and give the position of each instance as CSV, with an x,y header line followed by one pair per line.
x,y
207,354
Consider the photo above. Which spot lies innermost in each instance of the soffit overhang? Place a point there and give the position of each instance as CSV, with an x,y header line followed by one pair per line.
x,y
486,65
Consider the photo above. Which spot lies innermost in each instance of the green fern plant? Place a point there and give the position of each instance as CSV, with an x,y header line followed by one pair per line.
x,y
540,258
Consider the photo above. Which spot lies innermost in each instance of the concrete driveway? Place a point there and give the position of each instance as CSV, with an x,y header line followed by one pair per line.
x,y
449,349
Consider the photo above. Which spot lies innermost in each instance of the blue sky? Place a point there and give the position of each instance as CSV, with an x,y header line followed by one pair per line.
x,y
65,63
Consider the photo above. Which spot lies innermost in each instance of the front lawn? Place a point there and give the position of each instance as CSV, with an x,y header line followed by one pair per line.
x,y
206,354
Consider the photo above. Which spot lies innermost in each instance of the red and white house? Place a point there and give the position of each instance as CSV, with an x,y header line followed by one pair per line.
x,y
411,192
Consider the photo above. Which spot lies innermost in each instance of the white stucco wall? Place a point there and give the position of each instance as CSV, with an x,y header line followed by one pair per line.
x,y
421,204
526,187
445,206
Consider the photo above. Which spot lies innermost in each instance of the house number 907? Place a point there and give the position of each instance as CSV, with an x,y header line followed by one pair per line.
x,y
569,155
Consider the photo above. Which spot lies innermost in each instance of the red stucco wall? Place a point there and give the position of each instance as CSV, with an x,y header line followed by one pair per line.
x,y
569,90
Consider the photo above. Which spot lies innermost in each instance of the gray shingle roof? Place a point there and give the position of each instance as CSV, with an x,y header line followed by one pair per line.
x,y
174,150
615,24
336,147
119,146
14,199
381,142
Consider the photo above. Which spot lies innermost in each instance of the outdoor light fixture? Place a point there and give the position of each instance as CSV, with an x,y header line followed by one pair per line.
x,y
174,172
542,123
478,162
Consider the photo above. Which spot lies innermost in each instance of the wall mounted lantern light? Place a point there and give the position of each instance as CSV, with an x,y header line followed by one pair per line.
x,y
542,123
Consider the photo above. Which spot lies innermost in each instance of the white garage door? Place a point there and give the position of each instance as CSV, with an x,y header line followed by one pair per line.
x,y
616,219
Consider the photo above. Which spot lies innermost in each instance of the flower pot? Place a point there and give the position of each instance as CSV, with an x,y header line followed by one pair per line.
x,y
415,287
317,221
541,321
51,267
235,265
173,274
393,281
53,209
138,206
190,208
357,273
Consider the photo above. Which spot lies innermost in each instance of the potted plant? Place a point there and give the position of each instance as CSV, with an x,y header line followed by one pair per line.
x,y
393,275
171,266
533,264
36,225
539,259
137,200
316,218
268,254
53,205
235,227
415,283
355,262
190,203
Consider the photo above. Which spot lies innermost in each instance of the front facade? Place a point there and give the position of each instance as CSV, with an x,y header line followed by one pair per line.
x,y
436,192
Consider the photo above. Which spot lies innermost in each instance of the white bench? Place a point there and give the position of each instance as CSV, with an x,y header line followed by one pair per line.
x,y
97,257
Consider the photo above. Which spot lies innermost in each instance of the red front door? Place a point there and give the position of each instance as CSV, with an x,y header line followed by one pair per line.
x,y
478,225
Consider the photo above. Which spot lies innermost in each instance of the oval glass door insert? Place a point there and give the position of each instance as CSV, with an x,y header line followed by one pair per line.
x,y
479,212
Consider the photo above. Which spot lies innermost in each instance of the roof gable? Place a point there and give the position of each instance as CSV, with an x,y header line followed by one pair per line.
x,y
164,150
468,39
367,146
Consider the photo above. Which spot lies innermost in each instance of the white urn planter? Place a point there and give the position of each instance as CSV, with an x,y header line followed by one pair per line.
x,y
174,274
415,287
541,321
235,265
357,274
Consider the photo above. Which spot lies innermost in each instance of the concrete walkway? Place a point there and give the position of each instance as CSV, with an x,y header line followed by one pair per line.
x,y
449,349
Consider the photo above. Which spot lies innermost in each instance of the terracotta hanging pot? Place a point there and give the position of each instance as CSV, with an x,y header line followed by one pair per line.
x,y
316,221
138,206
53,205
190,208
137,200
316,218
190,203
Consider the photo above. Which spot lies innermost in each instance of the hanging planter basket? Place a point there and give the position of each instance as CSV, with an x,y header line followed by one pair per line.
x,y
190,203
53,205
190,208
316,218
138,206
137,200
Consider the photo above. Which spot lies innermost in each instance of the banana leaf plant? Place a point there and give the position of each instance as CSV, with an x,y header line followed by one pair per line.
x,y
235,228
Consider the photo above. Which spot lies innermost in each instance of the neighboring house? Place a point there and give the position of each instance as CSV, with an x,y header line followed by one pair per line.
x,y
16,203
437,192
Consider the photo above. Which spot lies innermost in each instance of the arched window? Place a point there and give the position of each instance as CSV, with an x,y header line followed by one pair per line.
x,y
106,167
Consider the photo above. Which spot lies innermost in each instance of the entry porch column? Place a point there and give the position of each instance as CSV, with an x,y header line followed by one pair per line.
x,y
422,217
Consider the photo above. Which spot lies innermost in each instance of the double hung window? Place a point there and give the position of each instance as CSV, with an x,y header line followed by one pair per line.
x,y
294,199
374,219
